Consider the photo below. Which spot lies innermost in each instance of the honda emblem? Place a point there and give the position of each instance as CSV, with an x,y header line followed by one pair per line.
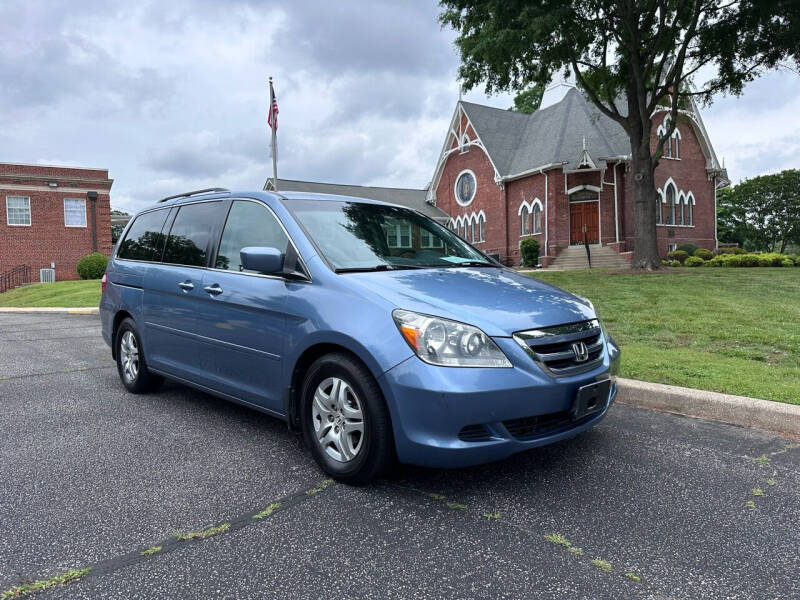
x,y
581,352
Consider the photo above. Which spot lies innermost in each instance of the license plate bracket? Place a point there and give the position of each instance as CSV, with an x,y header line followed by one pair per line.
x,y
591,398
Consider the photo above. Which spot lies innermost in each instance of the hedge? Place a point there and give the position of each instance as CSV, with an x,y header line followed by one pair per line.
x,y
768,259
529,248
694,261
92,266
704,254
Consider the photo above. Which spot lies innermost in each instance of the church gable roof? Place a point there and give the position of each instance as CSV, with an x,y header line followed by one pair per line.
x,y
518,142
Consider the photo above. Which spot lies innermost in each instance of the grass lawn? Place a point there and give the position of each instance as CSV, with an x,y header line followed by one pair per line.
x,y
83,293
728,330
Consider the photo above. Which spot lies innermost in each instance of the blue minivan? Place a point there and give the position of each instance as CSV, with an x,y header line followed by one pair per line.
x,y
376,332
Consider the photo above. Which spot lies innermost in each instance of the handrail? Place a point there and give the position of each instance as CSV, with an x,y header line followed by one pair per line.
x,y
15,277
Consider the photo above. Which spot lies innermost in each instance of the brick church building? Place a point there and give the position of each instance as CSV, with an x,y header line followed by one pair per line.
x,y
562,175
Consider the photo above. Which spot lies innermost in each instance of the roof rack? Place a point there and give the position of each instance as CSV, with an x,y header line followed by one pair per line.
x,y
195,193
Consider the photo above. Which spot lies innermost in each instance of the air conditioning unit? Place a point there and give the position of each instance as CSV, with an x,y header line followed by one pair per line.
x,y
47,275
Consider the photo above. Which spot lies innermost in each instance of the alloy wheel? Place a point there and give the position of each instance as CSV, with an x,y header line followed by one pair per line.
x,y
338,419
129,356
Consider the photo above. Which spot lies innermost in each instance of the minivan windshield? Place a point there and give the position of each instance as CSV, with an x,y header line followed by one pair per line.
x,y
358,236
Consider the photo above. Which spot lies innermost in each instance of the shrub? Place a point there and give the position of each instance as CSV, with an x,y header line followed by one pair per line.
x,y
734,250
703,253
794,258
788,262
529,248
679,255
775,259
92,266
694,261
690,249
715,262
749,260
675,263
732,260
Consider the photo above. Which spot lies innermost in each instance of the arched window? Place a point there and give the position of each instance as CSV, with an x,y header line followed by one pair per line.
x,y
481,227
537,219
658,209
681,201
676,144
670,205
525,221
690,207
473,226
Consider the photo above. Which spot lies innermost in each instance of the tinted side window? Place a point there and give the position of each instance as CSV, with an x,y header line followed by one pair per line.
x,y
248,224
188,239
144,240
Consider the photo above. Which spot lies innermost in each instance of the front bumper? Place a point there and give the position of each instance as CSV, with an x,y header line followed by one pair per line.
x,y
431,405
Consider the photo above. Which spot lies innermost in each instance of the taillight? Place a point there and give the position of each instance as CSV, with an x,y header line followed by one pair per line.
x,y
103,284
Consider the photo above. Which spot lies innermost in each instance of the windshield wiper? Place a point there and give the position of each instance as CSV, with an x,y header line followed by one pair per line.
x,y
383,267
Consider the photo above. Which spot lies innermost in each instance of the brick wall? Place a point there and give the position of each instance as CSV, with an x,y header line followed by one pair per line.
x,y
689,174
489,197
48,239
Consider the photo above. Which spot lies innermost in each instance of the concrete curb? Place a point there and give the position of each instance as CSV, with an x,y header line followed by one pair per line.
x,y
50,309
775,417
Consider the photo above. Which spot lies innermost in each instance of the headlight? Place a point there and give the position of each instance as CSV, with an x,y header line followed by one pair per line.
x,y
448,343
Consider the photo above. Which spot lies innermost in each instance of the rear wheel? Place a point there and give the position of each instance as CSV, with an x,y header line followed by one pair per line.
x,y
345,420
131,363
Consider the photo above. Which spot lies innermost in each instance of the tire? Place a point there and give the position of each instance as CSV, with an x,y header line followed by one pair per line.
x,y
131,362
338,392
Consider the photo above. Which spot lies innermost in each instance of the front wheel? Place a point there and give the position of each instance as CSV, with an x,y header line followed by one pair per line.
x,y
345,420
131,363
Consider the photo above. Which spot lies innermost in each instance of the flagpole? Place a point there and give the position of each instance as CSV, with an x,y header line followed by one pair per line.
x,y
274,139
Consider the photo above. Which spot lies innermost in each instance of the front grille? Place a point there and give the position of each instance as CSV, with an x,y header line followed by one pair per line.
x,y
474,433
541,425
554,348
529,427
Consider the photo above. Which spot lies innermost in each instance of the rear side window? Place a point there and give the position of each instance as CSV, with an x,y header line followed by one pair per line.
x,y
248,224
144,240
191,231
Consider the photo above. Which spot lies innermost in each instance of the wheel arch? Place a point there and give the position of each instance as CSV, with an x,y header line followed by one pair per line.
x,y
120,316
304,362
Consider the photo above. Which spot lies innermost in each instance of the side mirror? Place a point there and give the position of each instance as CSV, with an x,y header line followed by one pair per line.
x,y
261,259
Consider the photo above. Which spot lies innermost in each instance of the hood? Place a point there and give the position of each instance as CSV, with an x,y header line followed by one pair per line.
x,y
498,301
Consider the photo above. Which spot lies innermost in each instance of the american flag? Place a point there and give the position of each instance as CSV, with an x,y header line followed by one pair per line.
x,y
272,117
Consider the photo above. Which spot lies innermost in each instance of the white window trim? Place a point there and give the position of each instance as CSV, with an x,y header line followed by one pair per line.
x,y
30,212
680,196
398,236
474,190
85,219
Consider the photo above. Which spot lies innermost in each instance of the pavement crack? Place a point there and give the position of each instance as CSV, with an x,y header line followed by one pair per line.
x,y
180,540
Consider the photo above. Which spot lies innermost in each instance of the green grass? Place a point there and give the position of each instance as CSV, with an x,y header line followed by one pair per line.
x,y
78,294
726,330
202,533
43,584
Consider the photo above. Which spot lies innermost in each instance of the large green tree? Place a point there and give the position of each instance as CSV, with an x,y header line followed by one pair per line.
x,y
629,57
762,213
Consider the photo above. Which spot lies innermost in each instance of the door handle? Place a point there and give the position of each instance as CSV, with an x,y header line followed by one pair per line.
x,y
214,290
186,285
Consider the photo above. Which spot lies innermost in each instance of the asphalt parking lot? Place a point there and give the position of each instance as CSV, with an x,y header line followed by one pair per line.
x,y
92,476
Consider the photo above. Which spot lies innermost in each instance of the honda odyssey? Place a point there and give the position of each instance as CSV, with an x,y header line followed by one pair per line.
x,y
372,329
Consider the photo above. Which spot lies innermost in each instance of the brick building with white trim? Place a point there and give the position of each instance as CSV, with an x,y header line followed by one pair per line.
x,y
562,173
51,215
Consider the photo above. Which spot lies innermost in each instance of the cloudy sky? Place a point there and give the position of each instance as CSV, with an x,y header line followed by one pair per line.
x,y
171,96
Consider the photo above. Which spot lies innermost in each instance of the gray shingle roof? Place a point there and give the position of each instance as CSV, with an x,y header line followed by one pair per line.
x,y
415,199
518,142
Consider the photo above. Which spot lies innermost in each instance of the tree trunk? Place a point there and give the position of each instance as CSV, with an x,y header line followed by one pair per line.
x,y
645,241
